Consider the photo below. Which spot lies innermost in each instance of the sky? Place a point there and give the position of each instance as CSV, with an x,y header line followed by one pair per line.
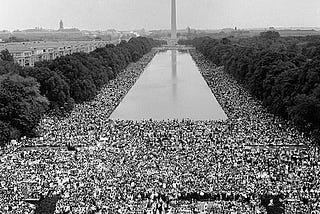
x,y
155,14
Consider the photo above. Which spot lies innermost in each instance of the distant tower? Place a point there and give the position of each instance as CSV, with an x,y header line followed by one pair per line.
x,y
173,22
61,25
188,30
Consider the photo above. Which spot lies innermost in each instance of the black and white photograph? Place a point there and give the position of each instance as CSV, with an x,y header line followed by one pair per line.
x,y
159,107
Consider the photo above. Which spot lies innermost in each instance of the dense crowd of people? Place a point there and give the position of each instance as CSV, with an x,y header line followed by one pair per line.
x,y
151,166
281,72
56,85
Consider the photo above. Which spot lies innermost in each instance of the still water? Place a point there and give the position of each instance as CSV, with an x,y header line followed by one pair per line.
x,y
171,87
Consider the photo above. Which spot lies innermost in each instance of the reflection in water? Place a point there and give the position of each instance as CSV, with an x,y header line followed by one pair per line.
x,y
171,87
174,63
174,72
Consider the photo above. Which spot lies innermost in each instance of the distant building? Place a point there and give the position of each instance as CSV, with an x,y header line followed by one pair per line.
x,y
27,53
61,25
188,30
227,30
4,34
298,32
46,34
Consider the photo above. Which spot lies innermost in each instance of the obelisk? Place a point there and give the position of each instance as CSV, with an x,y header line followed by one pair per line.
x,y
173,22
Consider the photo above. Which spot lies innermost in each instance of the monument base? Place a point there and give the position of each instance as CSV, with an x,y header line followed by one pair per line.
x,y
174,47
173,42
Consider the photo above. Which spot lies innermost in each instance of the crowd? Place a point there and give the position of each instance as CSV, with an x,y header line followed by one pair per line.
x,y
151,166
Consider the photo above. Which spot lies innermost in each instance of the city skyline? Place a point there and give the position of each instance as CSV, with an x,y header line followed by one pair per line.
x,y
131,14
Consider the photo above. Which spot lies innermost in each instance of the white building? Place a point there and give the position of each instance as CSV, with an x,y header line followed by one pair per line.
x,y
27,53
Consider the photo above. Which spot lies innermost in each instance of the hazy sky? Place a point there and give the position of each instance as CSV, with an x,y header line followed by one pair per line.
x,y
155,14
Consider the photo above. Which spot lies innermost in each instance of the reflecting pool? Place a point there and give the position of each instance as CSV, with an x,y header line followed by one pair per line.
x,y
171,87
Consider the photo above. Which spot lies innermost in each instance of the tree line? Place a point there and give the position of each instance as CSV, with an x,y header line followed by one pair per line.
x,y
284,73
55,86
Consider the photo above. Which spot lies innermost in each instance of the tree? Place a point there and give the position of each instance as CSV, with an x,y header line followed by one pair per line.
x,y
9,67
306,111
225,41
78,77
53,86
6,56
4,133
281,72
270,35
81,75
21,105
24,92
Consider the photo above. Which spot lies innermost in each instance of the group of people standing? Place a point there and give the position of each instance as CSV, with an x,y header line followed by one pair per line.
x,y
153,166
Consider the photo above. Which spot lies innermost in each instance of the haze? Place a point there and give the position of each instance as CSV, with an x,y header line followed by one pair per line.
x,y
155,14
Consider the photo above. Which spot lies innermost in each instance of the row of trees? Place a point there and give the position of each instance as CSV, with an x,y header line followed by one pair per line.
x,y
284,73
27,93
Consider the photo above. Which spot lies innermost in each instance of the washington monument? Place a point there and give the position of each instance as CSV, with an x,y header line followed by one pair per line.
x,y
173,22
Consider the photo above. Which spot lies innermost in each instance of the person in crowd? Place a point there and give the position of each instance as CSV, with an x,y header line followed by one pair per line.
x,y
250,163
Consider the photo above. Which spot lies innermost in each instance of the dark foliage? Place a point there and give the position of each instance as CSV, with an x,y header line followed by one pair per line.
x,y
270,35
4,133
52,86
21,105
6,56
76,78
284,73
85,73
